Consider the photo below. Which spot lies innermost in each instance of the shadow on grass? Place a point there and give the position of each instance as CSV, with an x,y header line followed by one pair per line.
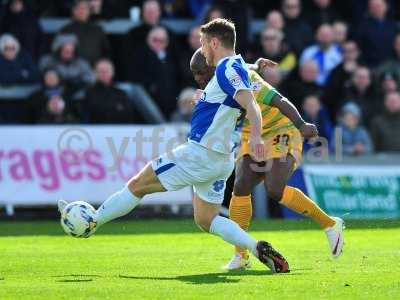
x,y
210,278
207,278
74,280
76,277
178,226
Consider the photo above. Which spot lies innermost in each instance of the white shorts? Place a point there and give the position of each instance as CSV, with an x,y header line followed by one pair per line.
x,y
193,165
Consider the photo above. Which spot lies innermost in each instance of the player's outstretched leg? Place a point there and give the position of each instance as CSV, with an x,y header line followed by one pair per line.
x,y
125,200
207,218
276,179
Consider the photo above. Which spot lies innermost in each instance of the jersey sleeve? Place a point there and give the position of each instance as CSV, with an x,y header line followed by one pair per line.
x,y
233,78
263,90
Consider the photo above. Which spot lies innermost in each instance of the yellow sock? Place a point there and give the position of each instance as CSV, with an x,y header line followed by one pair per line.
x,y
297,201
240,211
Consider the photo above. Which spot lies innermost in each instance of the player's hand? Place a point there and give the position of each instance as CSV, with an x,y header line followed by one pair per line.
x,y
264,63
196,97
257,148
308,130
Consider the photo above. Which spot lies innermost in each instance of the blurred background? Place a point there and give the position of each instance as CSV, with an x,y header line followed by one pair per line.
x,y
92,90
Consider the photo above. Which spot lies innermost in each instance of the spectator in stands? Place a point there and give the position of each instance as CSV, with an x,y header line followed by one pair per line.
x,y
306,83
104,102
388,83
342,74
74,70
52,103
314,112
102,9
325,53
360,90
355,138
186,54
392,65
273,48
376,33
156,69
275,20
19,20
213,13
322,12
93,43
183,114
340,32
151,15
137,37
297,32
385,127
16,66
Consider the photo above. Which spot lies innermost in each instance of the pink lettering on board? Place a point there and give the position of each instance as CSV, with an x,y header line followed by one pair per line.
x,y
45,167
19,166
70,165
93,161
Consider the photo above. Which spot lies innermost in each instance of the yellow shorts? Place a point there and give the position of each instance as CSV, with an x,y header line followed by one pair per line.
x,y
278,145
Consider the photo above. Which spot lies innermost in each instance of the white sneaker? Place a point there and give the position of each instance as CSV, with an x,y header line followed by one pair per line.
x,y
335,237
61,205
237,262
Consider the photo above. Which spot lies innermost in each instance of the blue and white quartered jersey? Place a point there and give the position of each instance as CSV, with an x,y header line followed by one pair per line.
x,y
215,120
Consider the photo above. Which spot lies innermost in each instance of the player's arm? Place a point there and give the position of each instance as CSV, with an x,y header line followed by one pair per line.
x,y
287,108
246,99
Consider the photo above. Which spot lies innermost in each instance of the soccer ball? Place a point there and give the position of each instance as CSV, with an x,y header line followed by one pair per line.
x,y
78,219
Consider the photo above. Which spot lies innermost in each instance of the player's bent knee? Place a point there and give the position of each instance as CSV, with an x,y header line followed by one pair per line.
x,y
242,187
134,186
275,192
138,185
203,222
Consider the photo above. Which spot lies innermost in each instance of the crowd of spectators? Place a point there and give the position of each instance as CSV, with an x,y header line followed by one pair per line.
x,y
339,63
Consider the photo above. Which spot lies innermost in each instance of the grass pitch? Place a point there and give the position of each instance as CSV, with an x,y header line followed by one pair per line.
x,y
174,260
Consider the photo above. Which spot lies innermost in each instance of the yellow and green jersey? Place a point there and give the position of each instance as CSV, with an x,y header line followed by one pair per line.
x,y
273,119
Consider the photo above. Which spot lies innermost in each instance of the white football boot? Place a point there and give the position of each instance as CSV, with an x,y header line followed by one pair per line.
x,y
237,262
61,204
335,237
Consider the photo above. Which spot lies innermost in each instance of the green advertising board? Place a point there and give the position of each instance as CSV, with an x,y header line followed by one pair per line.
x,y
355,192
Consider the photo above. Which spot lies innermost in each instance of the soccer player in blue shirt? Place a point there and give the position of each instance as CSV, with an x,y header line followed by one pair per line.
x,y
206,160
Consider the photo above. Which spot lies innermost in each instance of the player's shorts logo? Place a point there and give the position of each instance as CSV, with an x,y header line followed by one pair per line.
x,y
218,185
159,161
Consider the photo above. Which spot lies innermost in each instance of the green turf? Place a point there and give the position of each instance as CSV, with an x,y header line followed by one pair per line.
x,y
173,260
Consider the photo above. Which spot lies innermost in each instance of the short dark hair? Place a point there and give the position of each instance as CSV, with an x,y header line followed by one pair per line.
x,y
198,61
222,29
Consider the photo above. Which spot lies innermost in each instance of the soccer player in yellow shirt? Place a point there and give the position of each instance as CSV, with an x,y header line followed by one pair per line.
x,y
283,133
